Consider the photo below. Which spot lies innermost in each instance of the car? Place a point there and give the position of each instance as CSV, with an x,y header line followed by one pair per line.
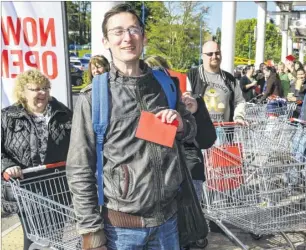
x,y
85,63
72,54
74,47
86,46
87,56
75,61
76,75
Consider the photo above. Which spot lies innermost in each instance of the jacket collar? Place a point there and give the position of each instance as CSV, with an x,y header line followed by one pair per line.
x,y
18,111
116,74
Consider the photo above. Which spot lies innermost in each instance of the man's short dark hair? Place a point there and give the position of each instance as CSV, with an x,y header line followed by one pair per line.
x,y
119,8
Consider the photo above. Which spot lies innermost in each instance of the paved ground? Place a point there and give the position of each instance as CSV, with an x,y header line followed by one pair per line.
x,y
12,239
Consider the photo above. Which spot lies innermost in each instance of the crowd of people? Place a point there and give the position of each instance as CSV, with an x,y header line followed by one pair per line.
x,y
142,179
286,80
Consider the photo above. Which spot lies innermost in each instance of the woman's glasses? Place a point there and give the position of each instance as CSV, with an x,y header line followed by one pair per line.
x,y
45,89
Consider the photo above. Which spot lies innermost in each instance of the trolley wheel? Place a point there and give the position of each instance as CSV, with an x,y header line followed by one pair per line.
x,y
202,243
256,236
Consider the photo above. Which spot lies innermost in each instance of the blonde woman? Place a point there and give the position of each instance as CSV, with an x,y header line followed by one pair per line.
x,y
97,65
35,130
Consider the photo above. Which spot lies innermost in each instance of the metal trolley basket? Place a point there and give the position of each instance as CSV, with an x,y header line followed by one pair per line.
x,y
261,112
257,186
46,208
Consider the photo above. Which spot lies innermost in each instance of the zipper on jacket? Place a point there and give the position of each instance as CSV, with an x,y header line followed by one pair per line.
x,y
155,160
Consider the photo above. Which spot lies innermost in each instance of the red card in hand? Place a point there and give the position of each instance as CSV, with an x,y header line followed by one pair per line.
x,y
151,128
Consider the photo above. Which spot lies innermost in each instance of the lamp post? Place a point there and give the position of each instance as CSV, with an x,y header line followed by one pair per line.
x,y
143,21
200,41
250,39
250,43
204,11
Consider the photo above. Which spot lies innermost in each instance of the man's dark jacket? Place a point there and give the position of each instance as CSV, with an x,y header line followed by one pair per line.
x,y
205,138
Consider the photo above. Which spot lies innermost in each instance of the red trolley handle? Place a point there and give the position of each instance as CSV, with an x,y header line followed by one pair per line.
x,y
38,168
220,124
298,120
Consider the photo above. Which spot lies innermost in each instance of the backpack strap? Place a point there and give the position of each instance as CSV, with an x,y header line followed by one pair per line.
x,y
100,120
168,86
230,82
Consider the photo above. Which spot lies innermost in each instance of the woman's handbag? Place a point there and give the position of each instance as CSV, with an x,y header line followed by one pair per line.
x,y
192,225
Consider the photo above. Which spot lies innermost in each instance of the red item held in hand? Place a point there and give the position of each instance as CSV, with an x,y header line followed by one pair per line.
x,y
151,128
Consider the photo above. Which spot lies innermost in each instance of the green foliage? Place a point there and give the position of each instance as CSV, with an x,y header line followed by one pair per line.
x,y
245,40
84,51
173,32
86,78
79,21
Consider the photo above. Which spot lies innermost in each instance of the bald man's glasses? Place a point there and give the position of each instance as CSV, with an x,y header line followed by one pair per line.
x,y
210,54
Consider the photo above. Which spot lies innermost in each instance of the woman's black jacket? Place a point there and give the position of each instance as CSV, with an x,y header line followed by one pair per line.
x,y
19,142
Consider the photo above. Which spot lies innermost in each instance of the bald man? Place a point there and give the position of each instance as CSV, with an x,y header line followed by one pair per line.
x,y
217,90
221,94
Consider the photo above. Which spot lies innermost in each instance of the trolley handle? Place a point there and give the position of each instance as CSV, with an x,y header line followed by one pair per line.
x,y
297,120
224,124
255,99
38,168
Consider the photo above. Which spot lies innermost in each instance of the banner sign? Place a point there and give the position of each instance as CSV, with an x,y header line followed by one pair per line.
x,y
32,36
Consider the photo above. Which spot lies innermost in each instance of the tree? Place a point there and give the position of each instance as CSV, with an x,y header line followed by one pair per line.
x,y
245,40
79,21
173,32
218,36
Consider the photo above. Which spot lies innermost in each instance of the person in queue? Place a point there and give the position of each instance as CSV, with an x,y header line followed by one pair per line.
x,y
98,65
35,130
141,178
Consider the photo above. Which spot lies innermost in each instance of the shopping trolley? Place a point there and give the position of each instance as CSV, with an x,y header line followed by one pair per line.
x,y
262,111
255,186
45,207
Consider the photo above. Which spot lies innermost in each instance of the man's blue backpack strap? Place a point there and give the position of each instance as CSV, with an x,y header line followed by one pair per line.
x,y
168,86
100,115
100,119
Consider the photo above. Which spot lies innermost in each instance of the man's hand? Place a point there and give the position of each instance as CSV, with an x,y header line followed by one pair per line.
x,y
241,122
190,102
291,98
169,115
14,172
254,83
289,65
298,84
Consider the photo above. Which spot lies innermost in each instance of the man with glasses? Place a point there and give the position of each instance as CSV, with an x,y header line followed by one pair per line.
x,y
141,178
222,96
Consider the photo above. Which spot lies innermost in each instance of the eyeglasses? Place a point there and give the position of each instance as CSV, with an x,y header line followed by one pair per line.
x,y
45,89
210,54
120,32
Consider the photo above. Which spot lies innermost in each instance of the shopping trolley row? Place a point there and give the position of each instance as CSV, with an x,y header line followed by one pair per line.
x,y
256,178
